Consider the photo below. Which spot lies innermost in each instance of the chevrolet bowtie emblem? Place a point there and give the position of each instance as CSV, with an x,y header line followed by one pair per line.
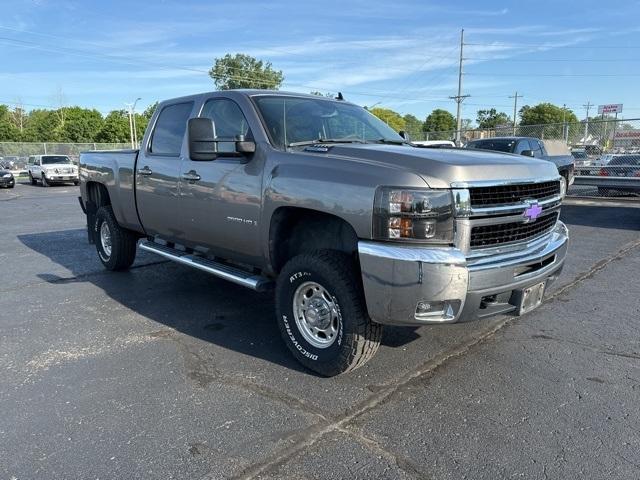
x,y
533,211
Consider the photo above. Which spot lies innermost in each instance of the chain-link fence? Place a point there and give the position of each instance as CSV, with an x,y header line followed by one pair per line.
x,y
14,155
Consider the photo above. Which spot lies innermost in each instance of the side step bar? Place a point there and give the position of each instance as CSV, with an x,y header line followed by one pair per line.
x,y
232,274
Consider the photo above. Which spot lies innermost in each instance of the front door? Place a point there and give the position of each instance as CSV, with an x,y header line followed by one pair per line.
x,y
158,172
221,198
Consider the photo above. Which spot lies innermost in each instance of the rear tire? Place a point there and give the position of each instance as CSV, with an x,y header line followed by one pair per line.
x,y
322,313
33,180
116,246
76,183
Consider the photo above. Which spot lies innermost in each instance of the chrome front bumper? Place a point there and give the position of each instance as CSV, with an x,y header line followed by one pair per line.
x,y
397,278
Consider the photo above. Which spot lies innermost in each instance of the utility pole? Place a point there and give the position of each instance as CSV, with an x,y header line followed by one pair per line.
x,y
587,106
515,110
459,98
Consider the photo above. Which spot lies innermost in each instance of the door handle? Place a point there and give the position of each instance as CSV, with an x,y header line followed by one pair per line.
x,y
146,171
191,176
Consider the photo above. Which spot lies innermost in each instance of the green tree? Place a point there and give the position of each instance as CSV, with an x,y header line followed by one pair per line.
x,y
115,128
545,113
244,71
413,126
148,112
391,118
42,126
8,131
439,124
491,118
81,125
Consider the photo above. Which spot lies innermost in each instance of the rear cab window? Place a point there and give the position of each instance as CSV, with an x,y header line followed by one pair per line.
x,y
506,146
169,129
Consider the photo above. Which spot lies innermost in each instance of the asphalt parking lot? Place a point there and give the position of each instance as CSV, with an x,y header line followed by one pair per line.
x,y
166,372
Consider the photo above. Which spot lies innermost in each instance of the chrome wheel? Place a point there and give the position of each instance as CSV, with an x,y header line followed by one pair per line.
x,y
105,239
317,314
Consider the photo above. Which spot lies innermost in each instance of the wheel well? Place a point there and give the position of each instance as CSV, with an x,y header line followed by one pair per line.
x,y
297,230
98,194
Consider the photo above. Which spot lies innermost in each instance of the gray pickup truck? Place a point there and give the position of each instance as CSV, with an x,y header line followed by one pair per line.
x,y
353,227
529,147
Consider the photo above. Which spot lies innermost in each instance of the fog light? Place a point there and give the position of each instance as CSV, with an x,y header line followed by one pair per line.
x,y
437,311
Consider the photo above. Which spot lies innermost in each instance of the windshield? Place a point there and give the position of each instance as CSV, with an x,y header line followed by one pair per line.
x,y
497,145
51,159
291,120
579,155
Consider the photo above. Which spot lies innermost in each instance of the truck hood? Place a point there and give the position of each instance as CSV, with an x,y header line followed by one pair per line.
x,y
440,167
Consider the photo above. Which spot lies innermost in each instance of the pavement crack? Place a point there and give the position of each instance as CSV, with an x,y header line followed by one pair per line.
x,y
402,462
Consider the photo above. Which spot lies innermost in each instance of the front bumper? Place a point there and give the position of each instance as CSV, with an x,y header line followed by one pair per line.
x,y
70,177
7,182
396,278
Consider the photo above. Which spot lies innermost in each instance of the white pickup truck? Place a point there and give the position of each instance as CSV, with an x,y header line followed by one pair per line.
x,y
52,169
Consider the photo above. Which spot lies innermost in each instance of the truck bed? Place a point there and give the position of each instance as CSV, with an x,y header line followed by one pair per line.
x,y
115,169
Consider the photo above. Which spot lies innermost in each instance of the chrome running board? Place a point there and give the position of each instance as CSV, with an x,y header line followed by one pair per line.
x,y
226,272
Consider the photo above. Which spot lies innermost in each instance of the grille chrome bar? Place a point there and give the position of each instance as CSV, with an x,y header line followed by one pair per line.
x,y
513,232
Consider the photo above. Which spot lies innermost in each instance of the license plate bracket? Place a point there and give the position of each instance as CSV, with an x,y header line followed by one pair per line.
x,y
531,297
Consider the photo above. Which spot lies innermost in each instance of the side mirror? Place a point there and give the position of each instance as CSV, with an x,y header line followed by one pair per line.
x,y
202,139
405,135
527,153
245,146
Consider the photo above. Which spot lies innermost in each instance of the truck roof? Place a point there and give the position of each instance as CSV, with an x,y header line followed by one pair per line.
x,y
249,92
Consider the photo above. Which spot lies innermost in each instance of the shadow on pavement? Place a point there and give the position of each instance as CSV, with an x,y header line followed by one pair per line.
x,y
615,217
184,299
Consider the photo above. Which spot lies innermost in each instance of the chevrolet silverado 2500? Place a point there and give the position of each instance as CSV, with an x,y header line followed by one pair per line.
x,y
352,226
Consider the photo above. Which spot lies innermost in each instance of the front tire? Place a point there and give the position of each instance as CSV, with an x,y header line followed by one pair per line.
x,y
322,313
116,246
44,181
33,180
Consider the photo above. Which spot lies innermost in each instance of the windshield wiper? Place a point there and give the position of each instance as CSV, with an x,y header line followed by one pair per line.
x,y
324,140
390,141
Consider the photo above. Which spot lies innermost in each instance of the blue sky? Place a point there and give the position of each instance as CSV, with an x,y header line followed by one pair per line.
x,y
401,54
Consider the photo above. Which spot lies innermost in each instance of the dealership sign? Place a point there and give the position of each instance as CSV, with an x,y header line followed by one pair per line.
x,y
611,108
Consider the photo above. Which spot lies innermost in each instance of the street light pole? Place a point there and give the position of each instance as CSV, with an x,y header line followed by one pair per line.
x,y
128,105
133,116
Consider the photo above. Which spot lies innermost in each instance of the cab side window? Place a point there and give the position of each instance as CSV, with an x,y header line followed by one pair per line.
x,y
229,121
535,147
170,129
522,146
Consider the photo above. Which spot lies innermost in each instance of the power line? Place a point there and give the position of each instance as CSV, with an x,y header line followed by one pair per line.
x,y
527,45
554,75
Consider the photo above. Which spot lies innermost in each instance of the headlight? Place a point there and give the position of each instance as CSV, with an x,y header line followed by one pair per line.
x,y
563,187
418,215
6,175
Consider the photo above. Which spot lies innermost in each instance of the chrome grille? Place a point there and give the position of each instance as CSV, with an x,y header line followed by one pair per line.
x,y
499,195
504,233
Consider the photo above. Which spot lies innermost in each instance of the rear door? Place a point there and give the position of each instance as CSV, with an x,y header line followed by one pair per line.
x,y
158,172
221,198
